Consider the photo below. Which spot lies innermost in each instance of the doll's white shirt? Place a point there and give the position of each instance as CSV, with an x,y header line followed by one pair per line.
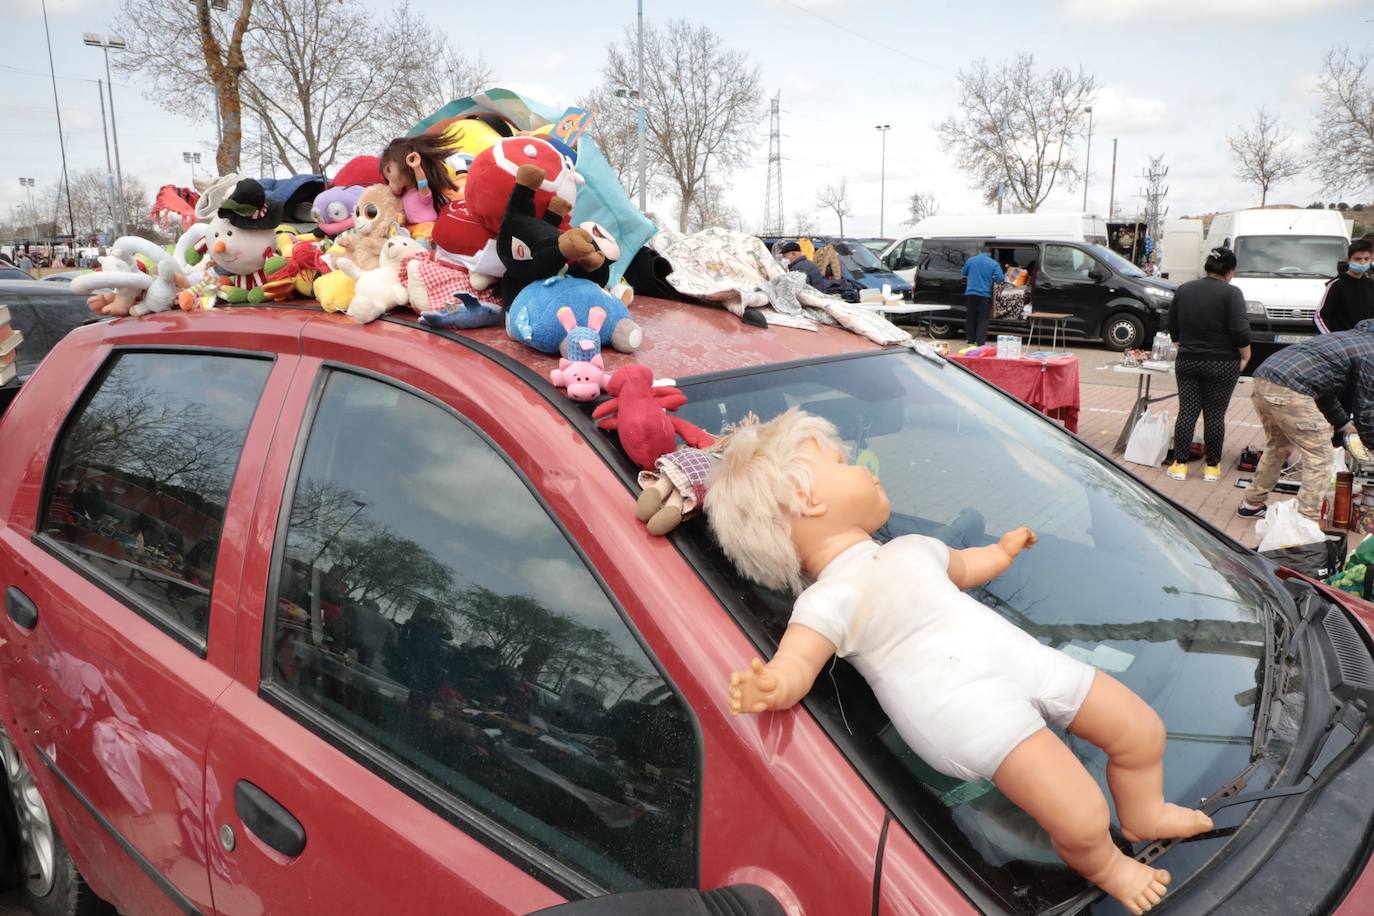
x,y
962,685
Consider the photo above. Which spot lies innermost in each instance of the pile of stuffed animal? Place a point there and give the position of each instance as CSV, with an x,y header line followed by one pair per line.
x,y
469,227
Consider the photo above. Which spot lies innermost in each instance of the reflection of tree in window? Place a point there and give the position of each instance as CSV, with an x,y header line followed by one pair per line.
x,y
445,619
145,470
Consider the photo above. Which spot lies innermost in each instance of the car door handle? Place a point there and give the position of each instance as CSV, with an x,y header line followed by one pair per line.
x,y
21,608
268,820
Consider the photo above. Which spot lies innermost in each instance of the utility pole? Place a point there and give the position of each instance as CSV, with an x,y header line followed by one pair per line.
x,y
61,142
772,203
1088,159
643,191
1153,195
1111,206
109,169
105,44
882,181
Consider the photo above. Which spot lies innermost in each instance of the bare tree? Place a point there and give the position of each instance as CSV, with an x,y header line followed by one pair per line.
x,y
1343,145
615,128
92,206
193,61
710,208
1016,126
803,223
1261,153
920,205
702,99
836,199
315,89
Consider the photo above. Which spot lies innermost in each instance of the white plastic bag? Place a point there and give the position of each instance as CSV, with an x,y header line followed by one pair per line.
x,y
1284,526
1149,441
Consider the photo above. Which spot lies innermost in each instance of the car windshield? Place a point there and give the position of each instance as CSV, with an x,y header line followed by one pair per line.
x,y
856,254
1288,255
1116,262
1119,578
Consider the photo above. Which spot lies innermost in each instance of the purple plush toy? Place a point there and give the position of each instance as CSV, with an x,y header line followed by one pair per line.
x,y
333,209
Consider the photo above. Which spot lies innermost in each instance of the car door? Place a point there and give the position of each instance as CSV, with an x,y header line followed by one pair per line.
x,y
902,260
436,705
124,540
1067,283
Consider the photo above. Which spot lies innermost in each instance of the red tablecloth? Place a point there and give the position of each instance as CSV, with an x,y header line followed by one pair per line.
x,y
1048,385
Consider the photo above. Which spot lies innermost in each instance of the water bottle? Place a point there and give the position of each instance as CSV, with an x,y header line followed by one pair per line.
x,y
1160,351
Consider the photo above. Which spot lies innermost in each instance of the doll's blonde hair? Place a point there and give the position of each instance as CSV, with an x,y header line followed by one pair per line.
x,y
760,483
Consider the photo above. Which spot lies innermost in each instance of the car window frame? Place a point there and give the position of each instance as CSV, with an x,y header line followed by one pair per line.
x,y
195,642
457,812
1093,262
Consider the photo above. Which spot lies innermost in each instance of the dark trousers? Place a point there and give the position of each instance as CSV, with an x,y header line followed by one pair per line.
x,y
977,309
1205,387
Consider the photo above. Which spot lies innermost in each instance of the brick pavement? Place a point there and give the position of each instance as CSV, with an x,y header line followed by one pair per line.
x,y
1104,411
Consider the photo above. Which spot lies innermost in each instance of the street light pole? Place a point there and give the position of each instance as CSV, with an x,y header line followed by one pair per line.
x,y
61,142
1088,159
643,191
882,181
1111,200
105,43
109,169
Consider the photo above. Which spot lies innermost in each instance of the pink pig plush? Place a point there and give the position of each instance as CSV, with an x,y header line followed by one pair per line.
x,y
582,373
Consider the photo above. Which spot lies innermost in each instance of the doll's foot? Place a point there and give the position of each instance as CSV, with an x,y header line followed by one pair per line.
x,y
627,336
1169,822
558,205
665,520
650,501
531,176
1134,885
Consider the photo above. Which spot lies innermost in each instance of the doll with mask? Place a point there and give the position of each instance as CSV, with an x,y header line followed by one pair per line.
x,y
967,690
415,170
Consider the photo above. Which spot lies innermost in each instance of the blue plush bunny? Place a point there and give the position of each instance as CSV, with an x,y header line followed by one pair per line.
x,y
532,318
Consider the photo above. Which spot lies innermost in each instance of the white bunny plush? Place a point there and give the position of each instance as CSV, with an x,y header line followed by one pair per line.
x,y
117,287
380,290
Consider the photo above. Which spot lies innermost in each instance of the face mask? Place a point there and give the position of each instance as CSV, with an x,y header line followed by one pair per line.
x,y
1359,268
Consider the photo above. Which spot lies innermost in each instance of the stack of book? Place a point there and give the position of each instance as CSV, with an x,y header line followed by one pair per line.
x,y
10,338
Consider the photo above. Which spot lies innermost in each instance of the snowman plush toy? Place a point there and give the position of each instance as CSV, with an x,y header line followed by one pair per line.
x,y
241,242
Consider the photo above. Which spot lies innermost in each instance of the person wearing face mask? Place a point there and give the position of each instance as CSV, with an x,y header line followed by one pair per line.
x,y
1349,298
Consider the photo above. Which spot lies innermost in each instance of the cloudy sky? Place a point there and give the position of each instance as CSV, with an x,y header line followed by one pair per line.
x,y
1176,76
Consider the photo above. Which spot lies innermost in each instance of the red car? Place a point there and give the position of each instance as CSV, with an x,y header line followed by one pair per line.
x,y
307,617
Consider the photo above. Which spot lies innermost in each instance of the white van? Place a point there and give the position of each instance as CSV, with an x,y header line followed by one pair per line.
x,y
1284,258
902,256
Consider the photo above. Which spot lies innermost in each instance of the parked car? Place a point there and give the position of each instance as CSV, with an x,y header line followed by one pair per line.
x,y
64,276
875,245
1106,297
1284,259
44,313
857,262
307,617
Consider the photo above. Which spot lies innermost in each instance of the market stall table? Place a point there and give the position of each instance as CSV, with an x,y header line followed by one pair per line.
x,y
1048,385
1142,398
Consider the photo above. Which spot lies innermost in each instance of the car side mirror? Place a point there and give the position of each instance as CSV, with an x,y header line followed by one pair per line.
x,y
735,899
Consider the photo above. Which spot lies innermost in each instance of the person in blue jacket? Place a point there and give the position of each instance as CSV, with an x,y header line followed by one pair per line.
x,y
981,274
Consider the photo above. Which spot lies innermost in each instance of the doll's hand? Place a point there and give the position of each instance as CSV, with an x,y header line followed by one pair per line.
x,y
754,690
1017,540
413,159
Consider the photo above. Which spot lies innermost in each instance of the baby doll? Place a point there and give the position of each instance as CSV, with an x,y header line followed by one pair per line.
x,y
967,690
415,171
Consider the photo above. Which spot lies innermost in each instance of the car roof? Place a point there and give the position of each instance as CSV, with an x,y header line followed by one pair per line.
x,y
683,339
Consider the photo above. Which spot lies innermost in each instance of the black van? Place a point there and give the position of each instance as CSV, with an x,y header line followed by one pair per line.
x,y
1107,297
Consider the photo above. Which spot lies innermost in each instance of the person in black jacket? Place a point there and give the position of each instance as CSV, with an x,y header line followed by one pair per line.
x,y
1207,320
1349,298
791,253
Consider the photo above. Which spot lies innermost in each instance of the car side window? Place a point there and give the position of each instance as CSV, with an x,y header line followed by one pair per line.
x,y
432,609
906,255
139,480
1068,263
